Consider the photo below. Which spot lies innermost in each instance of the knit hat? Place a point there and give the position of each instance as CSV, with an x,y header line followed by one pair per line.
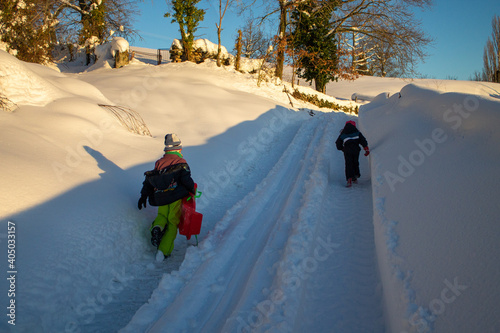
x,y
352,122
172,142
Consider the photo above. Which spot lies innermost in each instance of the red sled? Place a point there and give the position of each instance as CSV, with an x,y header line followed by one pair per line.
x,y
190,223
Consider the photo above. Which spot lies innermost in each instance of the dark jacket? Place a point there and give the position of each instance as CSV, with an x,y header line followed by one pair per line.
x,y
168,182
349,139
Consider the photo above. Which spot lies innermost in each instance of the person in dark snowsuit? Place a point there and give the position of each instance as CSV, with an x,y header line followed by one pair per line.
x,y
166,186
348,141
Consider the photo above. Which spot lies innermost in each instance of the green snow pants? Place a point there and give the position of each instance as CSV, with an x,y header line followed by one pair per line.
x,y
168,217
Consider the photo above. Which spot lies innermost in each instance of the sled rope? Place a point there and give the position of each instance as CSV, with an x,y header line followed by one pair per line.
x,y
196,196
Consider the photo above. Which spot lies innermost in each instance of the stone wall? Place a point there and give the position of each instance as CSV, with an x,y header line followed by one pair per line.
x,y
121,59
200,53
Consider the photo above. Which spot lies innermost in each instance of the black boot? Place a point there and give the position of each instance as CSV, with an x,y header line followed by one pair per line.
x,y
156,235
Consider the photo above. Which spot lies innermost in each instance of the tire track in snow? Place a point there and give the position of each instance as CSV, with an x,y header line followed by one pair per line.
x,y
257,305
223,280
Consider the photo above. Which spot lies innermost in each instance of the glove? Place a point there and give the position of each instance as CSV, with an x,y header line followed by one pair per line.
x,y
142,202
367,151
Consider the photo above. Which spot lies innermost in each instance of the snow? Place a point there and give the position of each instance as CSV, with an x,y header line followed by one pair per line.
x,y
284,247
205,46
119,44
108,50
443,247
366,88
23,86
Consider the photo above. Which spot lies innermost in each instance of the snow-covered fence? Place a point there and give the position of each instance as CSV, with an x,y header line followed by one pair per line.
x,y
150,56
163,55
130,119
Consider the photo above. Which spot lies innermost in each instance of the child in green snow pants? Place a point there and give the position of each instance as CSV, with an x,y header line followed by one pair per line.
x,y
164,187
169,217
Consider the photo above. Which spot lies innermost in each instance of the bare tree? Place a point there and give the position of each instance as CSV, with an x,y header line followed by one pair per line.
x,y
223,6
100,18
360,52
491,56
394,42
254,42
282,9
383,23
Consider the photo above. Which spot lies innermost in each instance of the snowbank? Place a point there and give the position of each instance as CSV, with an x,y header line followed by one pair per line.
x,y
37,85
23,86
366,88
434,160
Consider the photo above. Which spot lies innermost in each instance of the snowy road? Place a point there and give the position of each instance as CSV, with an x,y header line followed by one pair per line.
x,y
284,246
295,255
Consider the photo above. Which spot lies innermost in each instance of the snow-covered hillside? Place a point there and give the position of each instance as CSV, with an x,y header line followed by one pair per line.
x,y
284,247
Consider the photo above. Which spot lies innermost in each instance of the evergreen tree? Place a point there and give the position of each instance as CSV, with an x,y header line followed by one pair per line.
x,y
313,43
188,16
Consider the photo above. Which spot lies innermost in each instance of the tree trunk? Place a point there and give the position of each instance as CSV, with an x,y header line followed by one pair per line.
x,y
87,55
219,64
186,54
320,86
280,57
238,51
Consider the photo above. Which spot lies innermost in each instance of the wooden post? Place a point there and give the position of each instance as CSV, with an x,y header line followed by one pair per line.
x,y
158,57
238,51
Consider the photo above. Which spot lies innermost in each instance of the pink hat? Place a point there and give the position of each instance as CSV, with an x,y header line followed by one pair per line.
x,y
352,122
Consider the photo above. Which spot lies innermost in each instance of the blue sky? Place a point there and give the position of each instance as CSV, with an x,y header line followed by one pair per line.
x,y
460,29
